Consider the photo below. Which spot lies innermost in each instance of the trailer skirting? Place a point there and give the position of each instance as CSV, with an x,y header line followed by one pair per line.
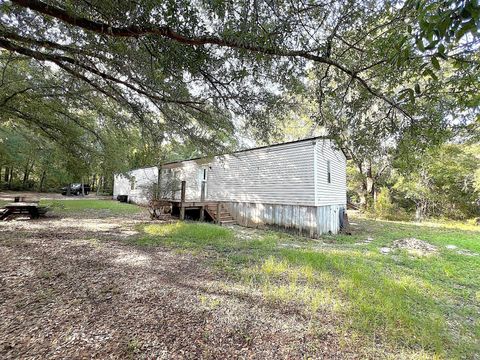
x,y
307,220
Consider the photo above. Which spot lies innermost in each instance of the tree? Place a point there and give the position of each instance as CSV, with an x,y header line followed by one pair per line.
x,y
441,182
196,64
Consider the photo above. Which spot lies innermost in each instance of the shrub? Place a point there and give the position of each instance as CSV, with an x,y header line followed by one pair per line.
x,y
384,208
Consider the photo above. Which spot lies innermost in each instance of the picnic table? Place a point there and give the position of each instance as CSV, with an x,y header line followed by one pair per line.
x,y
31,208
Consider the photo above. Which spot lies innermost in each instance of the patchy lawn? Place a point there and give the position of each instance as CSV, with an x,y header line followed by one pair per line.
x,y
97,279
98,207
410,288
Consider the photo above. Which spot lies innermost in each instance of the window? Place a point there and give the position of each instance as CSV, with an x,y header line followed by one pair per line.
x,y
329,176
132,183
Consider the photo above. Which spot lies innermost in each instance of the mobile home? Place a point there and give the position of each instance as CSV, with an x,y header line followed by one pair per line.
x,y
298,185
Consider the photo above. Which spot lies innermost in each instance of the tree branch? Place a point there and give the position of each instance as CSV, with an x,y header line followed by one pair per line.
x,y
60,60
136,31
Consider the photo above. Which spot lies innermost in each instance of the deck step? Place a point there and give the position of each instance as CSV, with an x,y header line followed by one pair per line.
x,y
4,213
227,222
223,213
226,218
223,216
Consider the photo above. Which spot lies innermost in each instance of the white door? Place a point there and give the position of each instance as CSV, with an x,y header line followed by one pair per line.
x,y
203,176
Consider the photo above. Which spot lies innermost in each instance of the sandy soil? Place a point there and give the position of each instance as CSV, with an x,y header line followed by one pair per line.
x,y
73,288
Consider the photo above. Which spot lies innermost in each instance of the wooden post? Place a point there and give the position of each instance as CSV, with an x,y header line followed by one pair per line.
x,y
182,201
218,213
202,213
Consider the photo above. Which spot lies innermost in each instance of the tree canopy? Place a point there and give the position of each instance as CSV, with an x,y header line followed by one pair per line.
x,y
384,78
194,64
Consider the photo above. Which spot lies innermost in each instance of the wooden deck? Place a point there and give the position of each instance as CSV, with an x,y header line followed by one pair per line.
x,y
215,209
191,204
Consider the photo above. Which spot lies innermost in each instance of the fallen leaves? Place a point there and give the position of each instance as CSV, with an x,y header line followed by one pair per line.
x,y
74,288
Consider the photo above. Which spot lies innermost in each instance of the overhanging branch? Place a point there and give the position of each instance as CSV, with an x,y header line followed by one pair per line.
x,y
135,31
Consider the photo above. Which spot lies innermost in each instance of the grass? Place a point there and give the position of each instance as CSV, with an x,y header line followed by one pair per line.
x,y
428,306
91,206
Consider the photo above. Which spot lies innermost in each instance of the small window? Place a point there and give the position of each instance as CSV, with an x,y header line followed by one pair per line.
x,y
205,174
132,183
329,176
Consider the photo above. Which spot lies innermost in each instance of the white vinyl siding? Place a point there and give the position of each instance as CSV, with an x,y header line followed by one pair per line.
x,y
188,171
144,179
290,174
281,174
335,192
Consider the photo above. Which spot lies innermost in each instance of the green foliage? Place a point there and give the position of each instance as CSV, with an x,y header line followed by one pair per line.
x,y
441,182
195,69
383,207
386,80
445,22
54,130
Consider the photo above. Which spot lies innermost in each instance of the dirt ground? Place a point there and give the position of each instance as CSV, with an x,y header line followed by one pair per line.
x,y
73,288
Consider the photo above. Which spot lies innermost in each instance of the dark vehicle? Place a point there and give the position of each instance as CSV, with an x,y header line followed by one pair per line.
x,y
76,189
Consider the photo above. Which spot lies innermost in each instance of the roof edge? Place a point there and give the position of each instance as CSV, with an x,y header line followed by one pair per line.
x,y
258,148
252,149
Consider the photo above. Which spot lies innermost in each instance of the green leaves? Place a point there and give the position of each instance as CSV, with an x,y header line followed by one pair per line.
x,y
417,89
435,63
447,21
408,94
419,43
429,73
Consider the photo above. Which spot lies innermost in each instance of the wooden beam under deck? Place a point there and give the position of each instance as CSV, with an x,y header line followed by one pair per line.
x,y
192,204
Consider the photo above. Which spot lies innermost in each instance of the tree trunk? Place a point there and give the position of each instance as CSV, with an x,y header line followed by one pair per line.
x,y
421,210
6,174
83,188
42,180
367,193
370,182
93,186
363,195
10,178
25,173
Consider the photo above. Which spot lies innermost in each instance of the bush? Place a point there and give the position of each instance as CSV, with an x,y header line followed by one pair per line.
x,y
384,208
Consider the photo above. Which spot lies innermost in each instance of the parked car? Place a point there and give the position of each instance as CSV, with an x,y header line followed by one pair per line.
x,y
76,189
